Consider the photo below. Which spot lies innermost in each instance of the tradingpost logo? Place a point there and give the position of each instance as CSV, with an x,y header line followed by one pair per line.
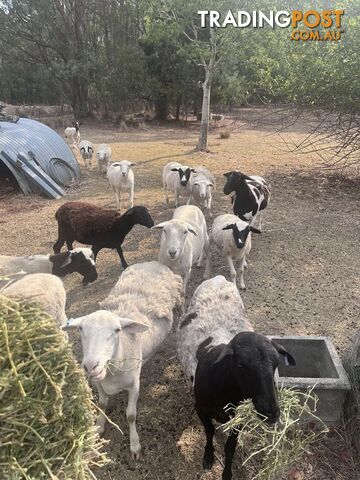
x,y
308,25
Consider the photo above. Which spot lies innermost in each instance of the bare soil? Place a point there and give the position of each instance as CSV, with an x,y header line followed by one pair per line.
x,y
303,278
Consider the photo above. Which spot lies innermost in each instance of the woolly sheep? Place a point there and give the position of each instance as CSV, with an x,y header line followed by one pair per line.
x,y
226,361
117,340
184,241
73,133
98,227
44,288
103,157
202,183
80,260
176,178
121,179
86,149
233,237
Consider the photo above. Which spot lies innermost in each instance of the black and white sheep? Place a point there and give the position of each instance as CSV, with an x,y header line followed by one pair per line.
x,y
226,361
184,241
233,238
96,226
79,260
103,157
73,133
176,178
86,149
252,195
118,339
202,184
43,288
121,179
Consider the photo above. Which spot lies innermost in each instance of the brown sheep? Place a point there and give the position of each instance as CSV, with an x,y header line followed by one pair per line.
x,y
96,226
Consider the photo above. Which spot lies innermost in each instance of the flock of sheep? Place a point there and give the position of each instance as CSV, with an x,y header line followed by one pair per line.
x,y
224,360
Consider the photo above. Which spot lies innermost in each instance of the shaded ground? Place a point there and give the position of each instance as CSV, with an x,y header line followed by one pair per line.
x,y
303,278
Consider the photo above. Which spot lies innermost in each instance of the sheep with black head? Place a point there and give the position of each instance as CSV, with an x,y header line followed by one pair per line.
x,y
226,361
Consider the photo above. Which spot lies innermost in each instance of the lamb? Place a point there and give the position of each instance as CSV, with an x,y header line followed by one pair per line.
x,y
44,288
176,178
233,237
226,361
87,151
103,157
184,241
202,183
118,339
121,178
96,226
252,195
80,260
73,133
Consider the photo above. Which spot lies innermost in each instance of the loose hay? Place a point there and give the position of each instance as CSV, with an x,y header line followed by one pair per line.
x,y
46,412
269,451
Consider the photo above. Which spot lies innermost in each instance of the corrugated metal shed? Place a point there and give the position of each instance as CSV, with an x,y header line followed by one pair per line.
x,y
40,145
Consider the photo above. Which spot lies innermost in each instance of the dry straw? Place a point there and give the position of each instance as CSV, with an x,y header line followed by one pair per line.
x,y
46,410
269,451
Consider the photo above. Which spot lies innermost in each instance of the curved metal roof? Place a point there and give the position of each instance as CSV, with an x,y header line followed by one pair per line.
x,y
50,150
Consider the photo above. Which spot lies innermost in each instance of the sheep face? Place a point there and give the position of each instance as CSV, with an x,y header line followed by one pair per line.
x,y
101,334
80,260
202,187
253,359
174,235
232,181
87,152
124,166
240,236
138,216
184,174
76,125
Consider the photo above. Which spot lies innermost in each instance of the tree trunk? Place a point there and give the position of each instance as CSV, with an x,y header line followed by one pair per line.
x,y
161,108
205,112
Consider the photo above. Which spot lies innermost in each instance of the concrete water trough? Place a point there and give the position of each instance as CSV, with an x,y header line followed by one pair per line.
x,y
318,366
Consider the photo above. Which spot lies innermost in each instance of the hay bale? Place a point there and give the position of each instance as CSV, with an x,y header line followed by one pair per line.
x,y
46,411
269,451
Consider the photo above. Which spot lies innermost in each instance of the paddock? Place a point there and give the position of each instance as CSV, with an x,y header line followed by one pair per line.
x,y
303,277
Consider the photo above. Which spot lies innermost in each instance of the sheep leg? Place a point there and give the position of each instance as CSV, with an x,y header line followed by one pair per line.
x,y
117,199
166,196
189,200
209,205
260,221
69,244
122,258
176,198
208,458
103,401
131,197
59,242
135,447
241,272
232,268
96,249
230,447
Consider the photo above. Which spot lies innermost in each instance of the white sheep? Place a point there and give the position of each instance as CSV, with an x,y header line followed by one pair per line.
x,y
184,241
86,149
202,184
117,340
44,288
233,237
176,178
73,133
121,179
103,157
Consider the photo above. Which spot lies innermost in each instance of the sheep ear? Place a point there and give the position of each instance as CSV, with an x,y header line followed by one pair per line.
x,y
193,170
211,185
254,230
289,359
229,227
159,225
225,352
72,323
191,230
226,174
174,169
131,326
67,260
132,164
90,148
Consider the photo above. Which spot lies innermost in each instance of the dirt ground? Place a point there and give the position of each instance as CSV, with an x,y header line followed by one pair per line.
x,y
303,278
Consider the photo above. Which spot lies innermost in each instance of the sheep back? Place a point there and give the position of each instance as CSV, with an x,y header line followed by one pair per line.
x,y
44,288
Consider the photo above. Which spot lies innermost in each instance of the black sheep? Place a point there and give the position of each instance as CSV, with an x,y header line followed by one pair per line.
x,y
96,226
